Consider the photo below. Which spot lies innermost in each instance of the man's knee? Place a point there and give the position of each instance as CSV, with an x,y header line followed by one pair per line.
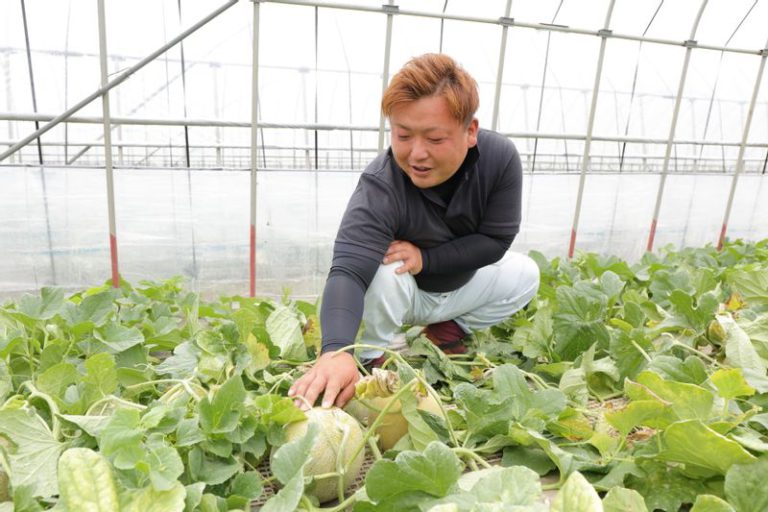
x,y
521,278
387,282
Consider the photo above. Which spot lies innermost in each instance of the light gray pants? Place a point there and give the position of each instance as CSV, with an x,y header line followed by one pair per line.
x,y
494,292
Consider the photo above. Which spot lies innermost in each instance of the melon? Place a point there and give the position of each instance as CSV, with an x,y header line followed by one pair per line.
x,y
333,424
374,393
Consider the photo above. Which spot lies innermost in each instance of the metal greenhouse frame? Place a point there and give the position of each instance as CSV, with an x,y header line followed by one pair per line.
x,y
589,161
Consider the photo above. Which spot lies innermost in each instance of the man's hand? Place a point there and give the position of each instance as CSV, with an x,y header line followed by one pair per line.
x,y
334,374
409,254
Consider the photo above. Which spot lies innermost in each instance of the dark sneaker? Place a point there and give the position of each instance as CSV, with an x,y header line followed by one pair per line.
x,y
375,363
447,336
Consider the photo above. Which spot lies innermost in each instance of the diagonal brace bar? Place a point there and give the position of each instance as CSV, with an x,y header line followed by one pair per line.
x,y
117,81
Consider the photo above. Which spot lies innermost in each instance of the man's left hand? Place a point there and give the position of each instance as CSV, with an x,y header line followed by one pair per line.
x,y
409,254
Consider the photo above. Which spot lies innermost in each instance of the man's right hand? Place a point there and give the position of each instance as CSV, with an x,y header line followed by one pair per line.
x,y
334,375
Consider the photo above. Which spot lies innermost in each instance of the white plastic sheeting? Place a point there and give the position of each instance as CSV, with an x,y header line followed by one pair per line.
x,y
171,222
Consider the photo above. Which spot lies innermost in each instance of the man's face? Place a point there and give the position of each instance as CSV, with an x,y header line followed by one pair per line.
x,y
428,143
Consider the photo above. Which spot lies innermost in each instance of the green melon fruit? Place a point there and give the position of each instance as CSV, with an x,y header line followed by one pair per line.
x,y
394,425
327,448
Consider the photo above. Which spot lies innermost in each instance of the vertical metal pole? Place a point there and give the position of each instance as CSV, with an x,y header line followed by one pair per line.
x,y
385,72
500,71
193,241
742,147
667,153
43,183
31,77
590,125
9,101
254,141
217,112
108,145
184,89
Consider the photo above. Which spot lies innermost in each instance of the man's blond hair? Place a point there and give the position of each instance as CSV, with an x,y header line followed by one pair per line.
x,y
433,74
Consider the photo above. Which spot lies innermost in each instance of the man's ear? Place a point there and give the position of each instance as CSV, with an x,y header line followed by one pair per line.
x,y
472,129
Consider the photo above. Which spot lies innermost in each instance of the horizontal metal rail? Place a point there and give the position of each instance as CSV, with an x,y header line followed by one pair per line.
x,y
214,123
386,9
345,72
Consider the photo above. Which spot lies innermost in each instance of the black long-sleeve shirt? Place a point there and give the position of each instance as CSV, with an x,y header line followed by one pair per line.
x,y
461,225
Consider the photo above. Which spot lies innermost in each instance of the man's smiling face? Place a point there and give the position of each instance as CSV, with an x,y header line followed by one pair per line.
x,y
428,143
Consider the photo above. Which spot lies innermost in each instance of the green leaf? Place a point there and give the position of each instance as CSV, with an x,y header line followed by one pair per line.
x,y
510,486
752,285
701,449
276,409
247,485
149,499
730,383
665,488
432,472
119,338
94,310
55,380
745,486
710,503
579,322
33,461
533,337
291,457
690,371
739,350
211,470
620,499
634,414
418,429
486,413
43,307
182,363
697,316
288,497
165,465
577,495
100,378
86,481
221,414
530,457
194,496
284,330
121,439
687,401
6,381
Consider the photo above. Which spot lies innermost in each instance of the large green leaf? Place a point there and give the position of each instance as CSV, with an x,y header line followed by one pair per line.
x,y
709,503
752,285
579,322
150,499
510,486
35,452
701,449
86,481
433,472
221,413
739,350
42,307
620,499
577,495
291,457
288,497
119,338
284,330
745,486
687,401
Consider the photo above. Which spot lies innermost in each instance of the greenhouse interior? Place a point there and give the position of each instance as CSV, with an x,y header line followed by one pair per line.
x,y
248,263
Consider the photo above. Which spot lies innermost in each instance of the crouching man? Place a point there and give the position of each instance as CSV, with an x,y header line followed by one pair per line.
x,y
425,235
